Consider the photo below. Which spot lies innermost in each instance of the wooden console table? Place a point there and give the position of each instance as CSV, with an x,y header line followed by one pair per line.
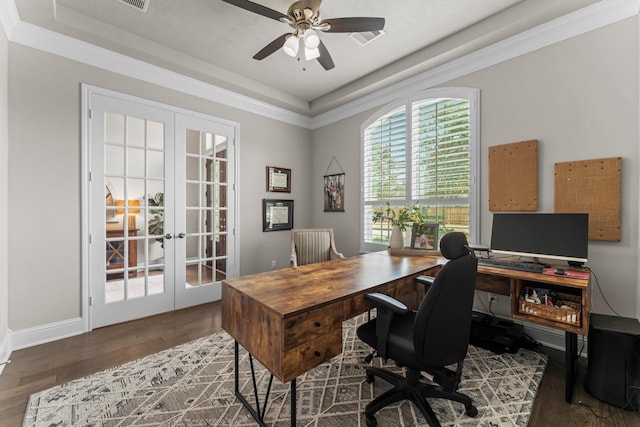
x,y
116,258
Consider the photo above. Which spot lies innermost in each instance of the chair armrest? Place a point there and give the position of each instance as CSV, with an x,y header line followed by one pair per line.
x,y
333,252
386,302
427,281
293,257
387,307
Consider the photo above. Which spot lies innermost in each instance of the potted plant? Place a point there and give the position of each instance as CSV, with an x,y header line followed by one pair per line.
x,y
400,218
156,224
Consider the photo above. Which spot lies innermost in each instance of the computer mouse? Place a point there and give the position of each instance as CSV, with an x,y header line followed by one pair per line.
x,y
558,271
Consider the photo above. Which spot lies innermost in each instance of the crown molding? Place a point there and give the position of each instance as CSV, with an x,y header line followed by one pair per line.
x,y
592,17
573,24
49,41
8,16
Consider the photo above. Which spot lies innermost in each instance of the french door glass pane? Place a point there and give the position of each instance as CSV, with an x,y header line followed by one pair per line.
x,y
135,132
205,208
134,206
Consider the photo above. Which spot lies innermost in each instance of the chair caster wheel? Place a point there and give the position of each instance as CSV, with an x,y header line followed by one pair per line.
x,y
370,378
471,411
371,421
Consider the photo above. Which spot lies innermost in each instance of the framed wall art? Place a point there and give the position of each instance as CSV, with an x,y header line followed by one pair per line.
x,y
277,214
278,179
334,193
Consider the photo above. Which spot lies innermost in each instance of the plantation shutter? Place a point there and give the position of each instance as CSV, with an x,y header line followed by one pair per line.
x,y
420,154
384,168
385,158
441,157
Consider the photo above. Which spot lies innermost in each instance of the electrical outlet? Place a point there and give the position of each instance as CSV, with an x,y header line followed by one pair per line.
x,y
273,264
492,297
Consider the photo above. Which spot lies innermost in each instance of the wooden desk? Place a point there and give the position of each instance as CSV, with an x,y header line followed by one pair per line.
x,y
512,282
291,319
284,318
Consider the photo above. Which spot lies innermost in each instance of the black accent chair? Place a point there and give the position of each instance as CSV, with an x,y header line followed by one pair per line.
x,y
430,339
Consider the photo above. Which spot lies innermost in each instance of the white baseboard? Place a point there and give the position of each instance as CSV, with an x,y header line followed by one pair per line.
x,y
5,350
46,333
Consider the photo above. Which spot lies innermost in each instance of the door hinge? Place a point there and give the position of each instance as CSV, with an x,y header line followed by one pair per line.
x,y
90,238
90,113
90,301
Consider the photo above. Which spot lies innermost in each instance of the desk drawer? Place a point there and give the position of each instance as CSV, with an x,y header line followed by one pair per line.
x,y
312,353
309,326
491,283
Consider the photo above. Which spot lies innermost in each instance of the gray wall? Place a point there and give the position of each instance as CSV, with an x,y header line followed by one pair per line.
x,y
45,200
579,98
4,141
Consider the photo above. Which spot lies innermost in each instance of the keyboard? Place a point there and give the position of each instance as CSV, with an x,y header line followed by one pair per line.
x,y
511,265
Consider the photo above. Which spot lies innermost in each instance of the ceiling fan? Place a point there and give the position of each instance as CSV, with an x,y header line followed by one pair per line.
x,y
304,18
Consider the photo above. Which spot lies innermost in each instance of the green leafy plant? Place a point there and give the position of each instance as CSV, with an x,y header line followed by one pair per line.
x,y
401,216
156,224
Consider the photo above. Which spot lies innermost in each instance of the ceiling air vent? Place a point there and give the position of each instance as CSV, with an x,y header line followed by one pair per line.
x,y
366,37
141,5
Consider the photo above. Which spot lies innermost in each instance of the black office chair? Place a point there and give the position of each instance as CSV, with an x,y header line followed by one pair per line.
x,y
430,339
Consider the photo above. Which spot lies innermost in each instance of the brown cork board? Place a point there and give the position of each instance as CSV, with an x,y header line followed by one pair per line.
x,y
591,186
513,177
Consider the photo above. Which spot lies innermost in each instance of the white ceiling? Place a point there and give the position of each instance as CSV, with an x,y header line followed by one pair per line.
x,y
214,41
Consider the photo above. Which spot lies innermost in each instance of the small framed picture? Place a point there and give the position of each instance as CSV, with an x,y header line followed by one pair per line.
x,y
424,236
334,193
277,215
278,179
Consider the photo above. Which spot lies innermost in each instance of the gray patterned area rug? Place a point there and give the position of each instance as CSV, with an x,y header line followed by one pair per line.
x,y
193,385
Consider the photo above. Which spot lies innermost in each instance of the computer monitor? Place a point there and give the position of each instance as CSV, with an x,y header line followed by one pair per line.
x,y
558,236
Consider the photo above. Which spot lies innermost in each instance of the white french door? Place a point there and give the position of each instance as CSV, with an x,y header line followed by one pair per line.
x,y
204,200
161,204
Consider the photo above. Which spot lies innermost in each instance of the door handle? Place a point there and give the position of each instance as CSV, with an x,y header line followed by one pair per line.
x,y
168,236
181,236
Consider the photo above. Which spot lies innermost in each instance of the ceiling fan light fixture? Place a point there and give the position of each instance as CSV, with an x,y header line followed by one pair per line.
x,y
311,39
310,54
291,46
303,16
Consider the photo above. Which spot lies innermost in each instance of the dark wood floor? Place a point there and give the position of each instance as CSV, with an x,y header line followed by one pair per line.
x,y
37,368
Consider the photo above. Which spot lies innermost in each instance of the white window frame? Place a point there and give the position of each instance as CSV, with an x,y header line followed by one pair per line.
x,y
470,94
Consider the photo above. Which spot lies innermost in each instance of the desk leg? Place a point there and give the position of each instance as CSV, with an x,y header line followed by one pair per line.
x,y
255,412
570,358
293,402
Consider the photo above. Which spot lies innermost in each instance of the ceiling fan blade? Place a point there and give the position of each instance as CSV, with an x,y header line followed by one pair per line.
x,y
259,9
272,47
325,58
352,25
